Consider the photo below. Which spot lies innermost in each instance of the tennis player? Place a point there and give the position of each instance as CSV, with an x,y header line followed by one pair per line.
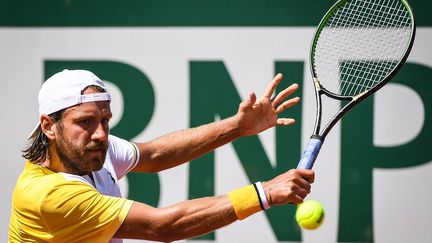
x,y
69,192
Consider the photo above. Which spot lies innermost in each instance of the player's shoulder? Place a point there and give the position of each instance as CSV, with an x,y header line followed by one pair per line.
x,y
38,187
37,180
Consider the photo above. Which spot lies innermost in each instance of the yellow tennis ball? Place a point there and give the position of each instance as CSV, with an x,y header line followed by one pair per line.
x,y
310,214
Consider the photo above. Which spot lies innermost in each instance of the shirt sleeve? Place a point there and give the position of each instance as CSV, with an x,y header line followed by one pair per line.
x,y
124,155
75,211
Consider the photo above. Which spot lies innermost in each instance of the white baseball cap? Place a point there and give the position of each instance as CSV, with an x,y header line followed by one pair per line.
x,y
64,90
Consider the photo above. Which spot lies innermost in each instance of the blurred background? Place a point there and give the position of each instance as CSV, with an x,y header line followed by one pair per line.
x,y
171,65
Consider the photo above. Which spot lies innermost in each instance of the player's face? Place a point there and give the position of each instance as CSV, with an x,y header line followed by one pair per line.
x,y
82,140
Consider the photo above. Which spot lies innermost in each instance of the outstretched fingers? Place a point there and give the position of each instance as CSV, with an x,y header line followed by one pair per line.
x,y
287,104
272,86
252,99
284,94
285,121
247,104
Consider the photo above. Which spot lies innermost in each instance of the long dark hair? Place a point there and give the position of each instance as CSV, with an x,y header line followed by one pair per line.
x,y
37,148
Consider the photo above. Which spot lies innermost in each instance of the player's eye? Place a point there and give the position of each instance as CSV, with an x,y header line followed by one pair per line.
x,y
85,122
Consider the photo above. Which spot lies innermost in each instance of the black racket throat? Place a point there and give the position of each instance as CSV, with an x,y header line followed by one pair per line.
x,y
320,133
350,102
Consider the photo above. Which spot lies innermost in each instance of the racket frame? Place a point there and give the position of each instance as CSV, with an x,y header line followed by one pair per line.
x,y
312,149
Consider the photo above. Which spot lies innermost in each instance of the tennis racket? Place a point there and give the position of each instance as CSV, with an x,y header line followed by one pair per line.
x,y
357,48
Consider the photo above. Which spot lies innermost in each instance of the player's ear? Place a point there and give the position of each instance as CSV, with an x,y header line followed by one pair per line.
x,y
48,126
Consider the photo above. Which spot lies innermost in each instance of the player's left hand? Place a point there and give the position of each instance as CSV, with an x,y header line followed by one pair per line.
x,y
256,115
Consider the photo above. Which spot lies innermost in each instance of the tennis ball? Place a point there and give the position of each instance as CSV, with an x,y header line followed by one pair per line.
x,y
310,214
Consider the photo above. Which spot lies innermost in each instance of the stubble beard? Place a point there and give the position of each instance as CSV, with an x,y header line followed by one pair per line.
x,y
78,160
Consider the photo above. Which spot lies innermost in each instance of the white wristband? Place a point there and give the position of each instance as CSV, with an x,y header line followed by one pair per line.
x,y
262,195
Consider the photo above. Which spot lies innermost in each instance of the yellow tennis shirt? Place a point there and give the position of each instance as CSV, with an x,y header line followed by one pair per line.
x,y
60,207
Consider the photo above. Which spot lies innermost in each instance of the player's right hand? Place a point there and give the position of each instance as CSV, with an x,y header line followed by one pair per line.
x,y
290,187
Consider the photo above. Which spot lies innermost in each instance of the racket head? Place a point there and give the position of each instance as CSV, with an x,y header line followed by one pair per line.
x,y
360,45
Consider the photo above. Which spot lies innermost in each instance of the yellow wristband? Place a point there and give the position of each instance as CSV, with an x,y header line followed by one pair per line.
x,y
245,201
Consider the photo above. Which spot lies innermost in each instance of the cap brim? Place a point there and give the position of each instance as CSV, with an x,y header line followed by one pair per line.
x,y
33,133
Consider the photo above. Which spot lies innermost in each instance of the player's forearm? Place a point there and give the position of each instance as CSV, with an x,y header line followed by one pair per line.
x,y
201,216
181,221
179,147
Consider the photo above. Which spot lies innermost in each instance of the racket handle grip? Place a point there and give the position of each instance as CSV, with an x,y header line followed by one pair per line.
x,y
310,153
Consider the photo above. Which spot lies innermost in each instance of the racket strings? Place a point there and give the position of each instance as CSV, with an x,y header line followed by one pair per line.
x,y
362,79
356,81
360,44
